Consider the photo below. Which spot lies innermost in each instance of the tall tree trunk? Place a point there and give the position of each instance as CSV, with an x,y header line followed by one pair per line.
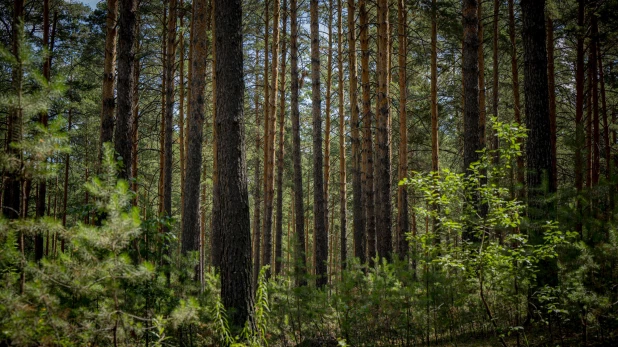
x,y
496,75
319,208
162,120
234,198
472,123
181,108
538,148
260,248
280,150
327,129
135,125
169,113
516,96
435,166
65,191
481,60
357,187
217,234
192,182
383,139
403,224
257,203
108,103
12,195
551,80
607,149
126,65
299,210
596,144
472,141
343,198
269,145
367,150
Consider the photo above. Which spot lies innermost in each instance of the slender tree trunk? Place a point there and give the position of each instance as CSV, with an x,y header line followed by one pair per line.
x,y
367,150
197,101
280,151
126,66
327,129
551,80
607,149
403,224
235,227
162,120
269,146
217,233
596,144
257,203
260,238
343,198
516,97
319,205
383,139
435,166
108,103
299,209
357,187
135,125
181,109
496,75
481,60
65,191
169,112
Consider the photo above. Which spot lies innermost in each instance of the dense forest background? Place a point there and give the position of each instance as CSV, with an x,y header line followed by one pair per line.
x,y
313,173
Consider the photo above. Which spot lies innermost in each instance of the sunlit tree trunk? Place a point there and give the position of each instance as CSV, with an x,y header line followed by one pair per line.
x,y
280,153
108,103
343,198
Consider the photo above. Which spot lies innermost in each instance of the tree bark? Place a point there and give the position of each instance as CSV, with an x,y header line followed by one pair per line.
x,y
343,198
367,150
538,148
280,150
435,165
357,187
327,129
383,139
596,143
496,76
269,144
108,103
235,227
126,65
482,96
197,101
403,224
551,80
319,217
299,210
169,113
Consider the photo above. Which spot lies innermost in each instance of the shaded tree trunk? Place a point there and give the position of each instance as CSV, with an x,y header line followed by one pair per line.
x,y
327,128
383,139
126,66
234,220
197,101
367,150
481,61
435,166
319,208
496,75
357,187
403,224
299,209
551,80
538,148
